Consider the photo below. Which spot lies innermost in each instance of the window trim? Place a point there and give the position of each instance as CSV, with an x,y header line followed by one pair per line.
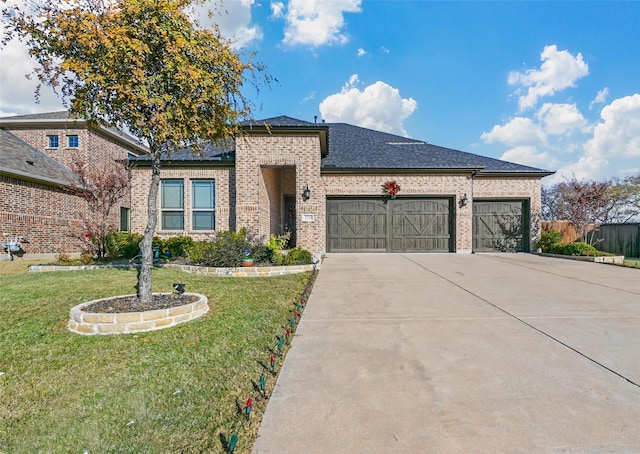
x,y
180,209
211,209
77,138
51,138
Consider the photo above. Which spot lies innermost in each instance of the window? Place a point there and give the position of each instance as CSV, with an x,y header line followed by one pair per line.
x,y
53,142
124,219
73,141
203,196
172,204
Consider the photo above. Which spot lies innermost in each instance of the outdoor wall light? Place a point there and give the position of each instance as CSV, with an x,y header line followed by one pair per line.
x,y
463,201
306,194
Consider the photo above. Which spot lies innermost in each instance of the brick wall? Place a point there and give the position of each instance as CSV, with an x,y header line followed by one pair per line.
x,y
296,157
225,196
48,217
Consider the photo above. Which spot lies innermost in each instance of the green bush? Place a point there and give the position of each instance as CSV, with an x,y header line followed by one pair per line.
x,y
577,248
225,249
123,244
177,245
295,256
548,239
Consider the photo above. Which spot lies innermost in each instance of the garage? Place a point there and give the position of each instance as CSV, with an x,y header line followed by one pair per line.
x,y
395,225
500,225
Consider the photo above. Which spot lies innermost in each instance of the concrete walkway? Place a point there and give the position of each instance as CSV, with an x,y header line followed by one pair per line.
x,y
449,353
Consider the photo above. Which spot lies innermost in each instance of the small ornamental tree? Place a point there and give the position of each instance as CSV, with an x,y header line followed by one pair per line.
x,y
143,65
103,185
582,203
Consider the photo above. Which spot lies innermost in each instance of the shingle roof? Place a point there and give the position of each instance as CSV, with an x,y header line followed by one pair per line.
x,y
210,152
354,147
21,160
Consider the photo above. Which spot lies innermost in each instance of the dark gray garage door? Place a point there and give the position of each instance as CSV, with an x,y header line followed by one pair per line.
x,y
398,225
501,226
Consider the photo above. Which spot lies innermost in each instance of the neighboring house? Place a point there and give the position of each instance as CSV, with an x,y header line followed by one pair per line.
x,y
323,183
36,152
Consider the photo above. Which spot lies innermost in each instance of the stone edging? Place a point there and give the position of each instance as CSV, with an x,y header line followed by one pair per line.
x,y
615,259
254,271
90,324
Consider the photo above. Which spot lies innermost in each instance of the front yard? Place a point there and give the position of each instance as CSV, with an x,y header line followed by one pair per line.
x,y
181,389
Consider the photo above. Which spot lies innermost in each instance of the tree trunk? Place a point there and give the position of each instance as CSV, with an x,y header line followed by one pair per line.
x,y
144,277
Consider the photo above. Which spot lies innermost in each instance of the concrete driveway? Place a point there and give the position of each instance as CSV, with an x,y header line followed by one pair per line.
x,y
450,353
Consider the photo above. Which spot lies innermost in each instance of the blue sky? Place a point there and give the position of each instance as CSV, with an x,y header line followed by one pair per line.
x,y
555,85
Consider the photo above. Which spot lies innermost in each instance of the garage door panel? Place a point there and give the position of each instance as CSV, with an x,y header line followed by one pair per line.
x,y
500,226
399,225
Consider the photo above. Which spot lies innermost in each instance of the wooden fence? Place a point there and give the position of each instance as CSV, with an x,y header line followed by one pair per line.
x,y
620,239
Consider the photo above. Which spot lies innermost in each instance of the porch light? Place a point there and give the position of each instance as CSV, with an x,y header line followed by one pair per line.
x,y
306,194
463,201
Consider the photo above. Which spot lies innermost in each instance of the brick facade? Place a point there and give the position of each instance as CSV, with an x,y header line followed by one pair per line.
x,y
269,167
52,225
224,198
50,217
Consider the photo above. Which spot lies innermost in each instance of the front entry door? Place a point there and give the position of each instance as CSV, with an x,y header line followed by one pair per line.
x,y
290,218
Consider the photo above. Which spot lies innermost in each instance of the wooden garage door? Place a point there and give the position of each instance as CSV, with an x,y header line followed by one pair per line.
x,y
398,225
500,226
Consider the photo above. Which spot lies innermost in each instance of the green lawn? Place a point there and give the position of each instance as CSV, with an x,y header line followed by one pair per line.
x,y
178,390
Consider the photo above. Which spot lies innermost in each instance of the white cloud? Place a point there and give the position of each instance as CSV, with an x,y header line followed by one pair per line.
x,y
614,149
232,17
16,91
379,106
600,98
530,156
362,52
518,132
318,22
618,135
277,10
561,118
559,70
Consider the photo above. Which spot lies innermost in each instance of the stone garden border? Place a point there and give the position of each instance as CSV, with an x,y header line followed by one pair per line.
x,y
255,271
615,259
91,324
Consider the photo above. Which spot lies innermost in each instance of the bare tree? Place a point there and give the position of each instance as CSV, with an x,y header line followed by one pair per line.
x,y
103,185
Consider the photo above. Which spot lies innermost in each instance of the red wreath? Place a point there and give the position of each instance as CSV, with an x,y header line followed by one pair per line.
x,y
391,189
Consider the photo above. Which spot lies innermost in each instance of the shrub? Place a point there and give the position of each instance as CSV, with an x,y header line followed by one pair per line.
x,y
63,258
225,249
123,244
548,239
577,248
299,256
295,256
178,245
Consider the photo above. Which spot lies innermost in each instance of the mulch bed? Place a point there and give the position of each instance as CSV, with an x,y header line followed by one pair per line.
x,y
133,303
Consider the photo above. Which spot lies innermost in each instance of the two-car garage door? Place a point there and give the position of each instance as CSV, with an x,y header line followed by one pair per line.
x,y
396,225
423,225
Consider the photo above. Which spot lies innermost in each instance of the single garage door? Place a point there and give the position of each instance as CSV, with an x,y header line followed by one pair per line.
x,y
501,226
396,225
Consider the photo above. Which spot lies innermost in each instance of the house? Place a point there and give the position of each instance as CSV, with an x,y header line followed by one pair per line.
x,y
323,183
36,152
